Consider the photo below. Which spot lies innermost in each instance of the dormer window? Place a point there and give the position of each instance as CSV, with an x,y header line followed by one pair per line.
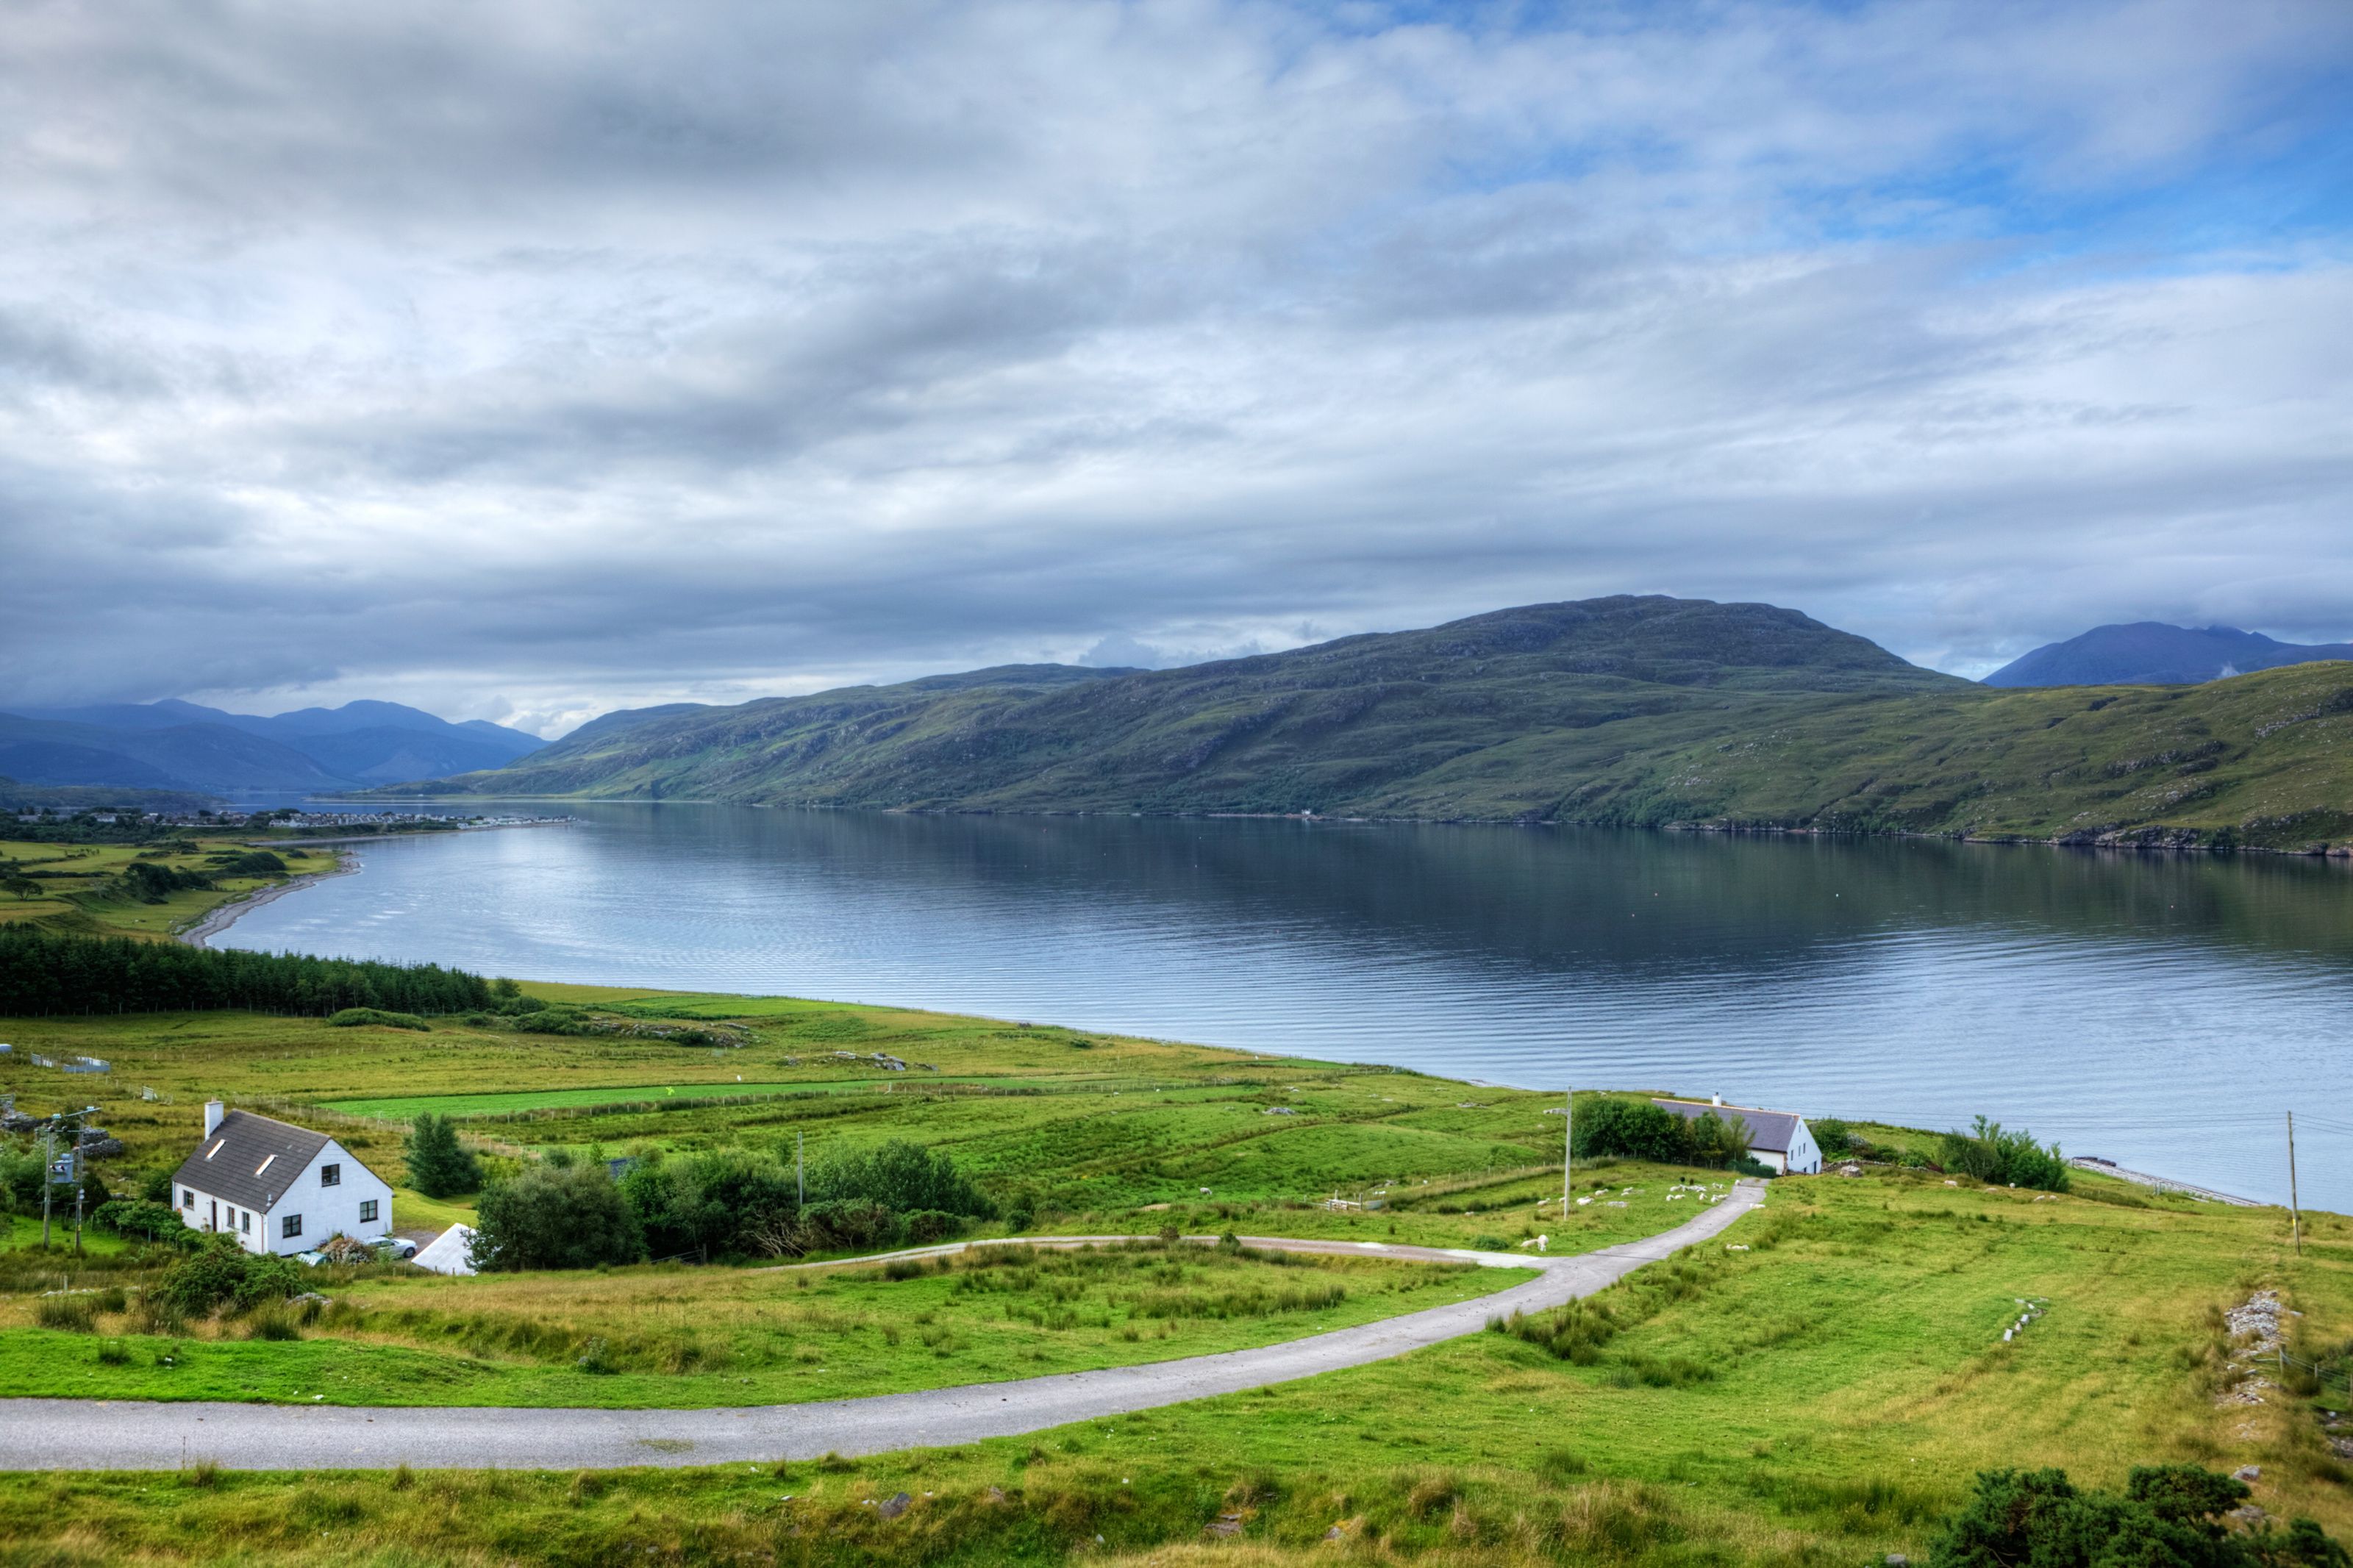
x,y
331,1176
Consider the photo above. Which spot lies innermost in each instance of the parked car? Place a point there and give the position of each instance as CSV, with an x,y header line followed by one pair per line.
x,y
396,1249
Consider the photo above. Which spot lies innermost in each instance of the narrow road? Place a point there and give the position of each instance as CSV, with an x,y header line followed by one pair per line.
x,y
104,1434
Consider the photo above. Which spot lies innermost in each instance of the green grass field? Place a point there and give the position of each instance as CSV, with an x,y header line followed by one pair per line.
x,y
78,881
672,1336
1816,1388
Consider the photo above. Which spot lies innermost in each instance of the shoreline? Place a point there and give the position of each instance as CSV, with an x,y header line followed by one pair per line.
x,y
220,917
2155,840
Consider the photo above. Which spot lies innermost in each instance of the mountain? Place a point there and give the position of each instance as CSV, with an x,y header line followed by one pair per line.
x,y
181,745
209,758
1640,711
1360,725
2150,653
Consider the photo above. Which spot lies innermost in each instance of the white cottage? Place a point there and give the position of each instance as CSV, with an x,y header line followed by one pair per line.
x,y
1777,1138
278,1187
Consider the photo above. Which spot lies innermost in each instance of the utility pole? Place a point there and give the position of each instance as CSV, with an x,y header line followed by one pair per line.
x,y
1567,1147
2295,1210
48,1169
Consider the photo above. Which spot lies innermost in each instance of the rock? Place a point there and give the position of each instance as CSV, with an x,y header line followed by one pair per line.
x,y
1897,1560
1225,1526
894,1505
2248,1473
996,1494
2249,1515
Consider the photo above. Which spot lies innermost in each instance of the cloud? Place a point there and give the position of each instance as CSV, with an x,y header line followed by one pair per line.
x,y
525,360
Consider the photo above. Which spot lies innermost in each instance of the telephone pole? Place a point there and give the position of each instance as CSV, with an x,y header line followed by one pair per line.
x,y
1567,1147
2295,1210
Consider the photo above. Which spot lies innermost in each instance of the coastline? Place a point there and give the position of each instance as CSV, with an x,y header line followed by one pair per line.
x,y
220,918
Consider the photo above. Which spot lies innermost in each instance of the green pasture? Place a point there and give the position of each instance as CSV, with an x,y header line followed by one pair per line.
x,y
1820,1397
672,1336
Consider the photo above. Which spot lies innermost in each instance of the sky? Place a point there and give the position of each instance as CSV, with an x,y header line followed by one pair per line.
x,y
525,360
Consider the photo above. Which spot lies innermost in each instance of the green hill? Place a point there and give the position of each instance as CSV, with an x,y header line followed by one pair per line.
x,y
1649,712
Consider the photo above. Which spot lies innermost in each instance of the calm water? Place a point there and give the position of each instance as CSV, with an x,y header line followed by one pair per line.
x,y
2160,1011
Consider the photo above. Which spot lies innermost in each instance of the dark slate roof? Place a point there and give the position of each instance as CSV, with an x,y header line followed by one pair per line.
x,y
233,1171
1768,1130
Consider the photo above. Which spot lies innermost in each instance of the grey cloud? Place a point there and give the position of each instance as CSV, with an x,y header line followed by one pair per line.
x,y
532,359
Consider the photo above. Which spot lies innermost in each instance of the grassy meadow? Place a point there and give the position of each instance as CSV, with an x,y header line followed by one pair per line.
x,y
1817,1387
80,882
1820,1396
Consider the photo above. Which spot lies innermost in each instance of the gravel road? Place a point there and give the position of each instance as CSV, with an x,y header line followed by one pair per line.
x,y
101,1434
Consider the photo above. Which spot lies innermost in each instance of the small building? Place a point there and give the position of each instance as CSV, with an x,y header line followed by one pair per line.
x,y
1777,1138
278,1187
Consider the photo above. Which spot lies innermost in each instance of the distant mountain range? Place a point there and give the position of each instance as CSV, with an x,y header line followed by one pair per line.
x,y
178,745
1626,710
2150,653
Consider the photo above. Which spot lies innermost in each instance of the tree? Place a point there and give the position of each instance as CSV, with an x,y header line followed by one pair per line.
x,y
438,1165
555,1218
23,886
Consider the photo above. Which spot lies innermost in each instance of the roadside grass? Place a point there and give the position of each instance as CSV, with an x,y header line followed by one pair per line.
x,y
668,1335
1855,1380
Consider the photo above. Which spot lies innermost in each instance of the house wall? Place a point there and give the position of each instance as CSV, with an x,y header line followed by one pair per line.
x,y
330,1211
1805,1155
326,1211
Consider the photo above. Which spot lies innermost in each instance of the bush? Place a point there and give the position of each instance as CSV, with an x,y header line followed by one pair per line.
x,y
2003,1158
2170,1515
220,1274
136,1216
1833,1136
438,1165
901,1176
550,1218
1638,1129
356,1017
848,1224
925,1226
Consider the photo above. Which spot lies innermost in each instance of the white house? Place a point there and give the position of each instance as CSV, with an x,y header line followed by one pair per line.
x,y
278,1187
1777,1138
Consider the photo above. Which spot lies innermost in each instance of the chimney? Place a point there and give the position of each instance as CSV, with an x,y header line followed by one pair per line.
x,y
1713,1099
212,1114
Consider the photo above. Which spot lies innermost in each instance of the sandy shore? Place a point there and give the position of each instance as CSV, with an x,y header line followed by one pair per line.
x,y
217,920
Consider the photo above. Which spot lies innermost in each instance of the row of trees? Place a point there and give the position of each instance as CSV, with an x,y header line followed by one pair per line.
x,y
1638,1129
47,972
562,1213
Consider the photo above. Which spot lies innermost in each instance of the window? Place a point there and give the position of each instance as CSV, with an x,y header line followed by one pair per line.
x,y
245,1223
292,1227
331,1176
216,1149
367,1211
187,1199
265,1165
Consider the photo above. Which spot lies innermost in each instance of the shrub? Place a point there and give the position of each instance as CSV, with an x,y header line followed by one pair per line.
x,y
2169,1514
849,1224
1638,1129
1994,1155
1833,1136
549,1218
356,1017
137,1216
217,1274
901,1176
438,1165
